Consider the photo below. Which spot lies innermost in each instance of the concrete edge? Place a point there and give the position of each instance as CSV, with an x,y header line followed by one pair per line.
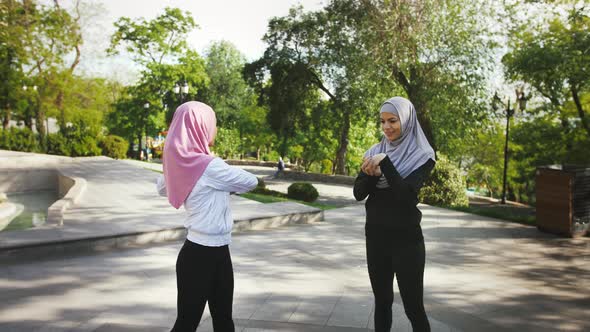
x,y
74,188
64,248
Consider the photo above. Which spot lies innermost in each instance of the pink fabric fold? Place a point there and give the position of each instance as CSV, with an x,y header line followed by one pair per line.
x,y
186,151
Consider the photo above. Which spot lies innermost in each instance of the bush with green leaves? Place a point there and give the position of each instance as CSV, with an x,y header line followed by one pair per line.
x,y
326,166
302,191
19,139
114,146
445,186
57,144
74,141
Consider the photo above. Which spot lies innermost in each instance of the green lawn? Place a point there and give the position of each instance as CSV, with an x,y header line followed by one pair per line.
x,y
273,199
501,212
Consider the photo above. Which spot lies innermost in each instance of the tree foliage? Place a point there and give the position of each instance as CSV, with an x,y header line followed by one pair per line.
x,y
439,52
555,60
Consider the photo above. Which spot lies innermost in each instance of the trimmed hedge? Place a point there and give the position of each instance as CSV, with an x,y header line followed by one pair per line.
x,y
17,139
445,186
114,146
302,191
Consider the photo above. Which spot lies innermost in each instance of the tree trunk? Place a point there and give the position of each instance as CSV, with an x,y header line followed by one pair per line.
x,y
422,112
7,116
581,112
41,130
28,118
59,101
340,167
139,146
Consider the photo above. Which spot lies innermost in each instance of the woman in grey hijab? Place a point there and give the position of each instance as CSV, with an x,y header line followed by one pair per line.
x,y
391,176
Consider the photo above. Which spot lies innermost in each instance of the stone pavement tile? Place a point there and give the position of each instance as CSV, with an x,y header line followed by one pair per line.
x,y
245,305
538,320
277,308
266,326
399,321
130,328
352,310
314,311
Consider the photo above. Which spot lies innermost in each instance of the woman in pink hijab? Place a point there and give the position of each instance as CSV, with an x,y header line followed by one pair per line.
x,y
193,177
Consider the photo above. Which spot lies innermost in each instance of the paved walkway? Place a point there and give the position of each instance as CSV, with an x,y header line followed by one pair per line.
x,y
481,275
120,206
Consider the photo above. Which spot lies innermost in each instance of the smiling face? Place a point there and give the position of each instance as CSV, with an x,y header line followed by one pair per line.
x,y
391,126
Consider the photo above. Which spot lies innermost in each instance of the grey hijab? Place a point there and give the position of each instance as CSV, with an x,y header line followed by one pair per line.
x,y
411,150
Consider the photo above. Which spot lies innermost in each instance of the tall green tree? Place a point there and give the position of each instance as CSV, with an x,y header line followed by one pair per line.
x,y
42,44
319,51
159,47
227,91
156,41
440,53
554,58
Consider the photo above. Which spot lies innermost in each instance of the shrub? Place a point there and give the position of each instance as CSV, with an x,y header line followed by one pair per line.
x,y
270,156
114,146
326,166
302,191
72,146
85,146
57,144
18,139
445,186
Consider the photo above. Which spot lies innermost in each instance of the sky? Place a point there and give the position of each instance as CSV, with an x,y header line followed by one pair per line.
x,y
241,22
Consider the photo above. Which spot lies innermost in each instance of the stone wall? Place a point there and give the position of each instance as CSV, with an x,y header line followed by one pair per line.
x,y
26,172
26,180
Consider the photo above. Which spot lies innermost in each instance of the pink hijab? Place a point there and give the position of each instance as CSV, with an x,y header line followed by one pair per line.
x,y
186,151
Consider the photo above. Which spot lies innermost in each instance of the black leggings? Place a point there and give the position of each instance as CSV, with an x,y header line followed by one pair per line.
x,y
407,262
204,274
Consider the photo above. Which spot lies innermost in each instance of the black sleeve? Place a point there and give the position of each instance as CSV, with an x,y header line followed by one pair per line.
x,y
409,187
364,185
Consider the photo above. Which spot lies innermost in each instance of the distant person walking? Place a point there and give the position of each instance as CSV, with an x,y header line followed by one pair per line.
x,y
391,176
193,177
280,168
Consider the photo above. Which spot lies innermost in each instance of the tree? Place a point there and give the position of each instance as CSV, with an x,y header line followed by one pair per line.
x,y
554,59
42,48
439,52
155,41
319,54
227,91
288,95
12,53
160,47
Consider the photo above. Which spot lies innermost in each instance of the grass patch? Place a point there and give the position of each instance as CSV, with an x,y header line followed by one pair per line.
x,y
262,198
518,215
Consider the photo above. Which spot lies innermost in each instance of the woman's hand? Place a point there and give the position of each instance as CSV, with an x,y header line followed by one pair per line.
x,y
370,165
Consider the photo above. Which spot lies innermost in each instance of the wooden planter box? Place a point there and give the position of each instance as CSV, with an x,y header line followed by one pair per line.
x,y
563,202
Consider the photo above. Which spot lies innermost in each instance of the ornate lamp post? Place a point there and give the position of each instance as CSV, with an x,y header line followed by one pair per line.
x,y
182,91
520,105
146,107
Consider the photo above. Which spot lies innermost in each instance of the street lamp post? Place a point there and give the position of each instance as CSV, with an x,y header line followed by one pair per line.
x,y
146,106
182,91
520,105
30,108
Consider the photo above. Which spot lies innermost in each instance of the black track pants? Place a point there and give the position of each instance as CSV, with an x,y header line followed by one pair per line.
x,y
204,274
